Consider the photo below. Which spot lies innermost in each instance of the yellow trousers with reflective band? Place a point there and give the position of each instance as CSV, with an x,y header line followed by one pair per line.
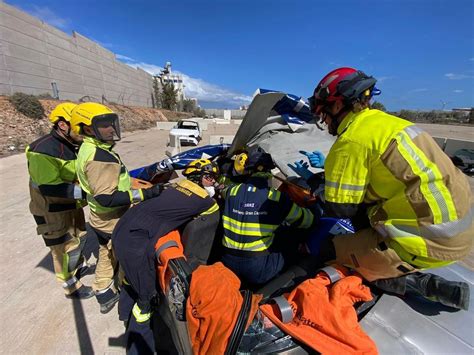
x,y
57,225
367,252
60,254
106,268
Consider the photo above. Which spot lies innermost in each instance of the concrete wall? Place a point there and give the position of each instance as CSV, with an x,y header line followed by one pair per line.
x,y
220,113
34,54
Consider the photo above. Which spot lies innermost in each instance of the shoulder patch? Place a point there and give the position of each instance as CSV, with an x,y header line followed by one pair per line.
x,y
105,156
48,145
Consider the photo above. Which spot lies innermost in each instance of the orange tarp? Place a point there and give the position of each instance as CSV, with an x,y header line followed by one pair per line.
x,y
212,308
324,316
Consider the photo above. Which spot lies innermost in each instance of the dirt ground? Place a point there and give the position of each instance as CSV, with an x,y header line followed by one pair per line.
x,y
36,318
19,130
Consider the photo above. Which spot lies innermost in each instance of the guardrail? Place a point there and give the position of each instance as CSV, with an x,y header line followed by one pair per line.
x,y
450,146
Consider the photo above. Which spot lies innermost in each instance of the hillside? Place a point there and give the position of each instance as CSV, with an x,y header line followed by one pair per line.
x,y
19,130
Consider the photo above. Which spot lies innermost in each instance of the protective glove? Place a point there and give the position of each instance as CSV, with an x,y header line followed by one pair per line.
x,y
153,191
316,158
301,168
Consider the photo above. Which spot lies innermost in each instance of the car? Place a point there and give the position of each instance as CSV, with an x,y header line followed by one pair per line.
x,y
397,324
188,131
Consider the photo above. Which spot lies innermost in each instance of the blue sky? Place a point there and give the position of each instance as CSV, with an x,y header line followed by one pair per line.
x,y
422,52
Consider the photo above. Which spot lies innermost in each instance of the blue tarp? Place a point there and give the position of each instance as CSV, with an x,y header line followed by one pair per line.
x,y
179,161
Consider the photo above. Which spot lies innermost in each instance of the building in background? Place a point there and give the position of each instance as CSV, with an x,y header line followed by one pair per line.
x,y
166,77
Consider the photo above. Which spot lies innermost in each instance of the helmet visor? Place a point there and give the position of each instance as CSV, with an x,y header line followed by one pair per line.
x,y
316,106
107,127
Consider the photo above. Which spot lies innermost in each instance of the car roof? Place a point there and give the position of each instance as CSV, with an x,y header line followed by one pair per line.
x,y
415,325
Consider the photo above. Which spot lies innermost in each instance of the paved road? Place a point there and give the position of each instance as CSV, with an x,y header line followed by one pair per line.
x,y
36,318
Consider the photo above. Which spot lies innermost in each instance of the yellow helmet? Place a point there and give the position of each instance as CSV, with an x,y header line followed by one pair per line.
x,y
96,116
200,166
62,111
239,163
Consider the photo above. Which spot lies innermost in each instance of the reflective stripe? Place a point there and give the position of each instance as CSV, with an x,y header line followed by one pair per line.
x,y
294,214
71,282
248,229
234,190
136,195
258,245
274,195
433,231
307,219
413,131
65,275
212,209
351,187
421,262
434,196
137,313
77,192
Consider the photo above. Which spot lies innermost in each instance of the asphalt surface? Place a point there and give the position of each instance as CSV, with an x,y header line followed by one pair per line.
x,y
36,317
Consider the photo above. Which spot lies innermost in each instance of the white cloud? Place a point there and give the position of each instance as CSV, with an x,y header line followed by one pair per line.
x,y
123,58
418,90
452,76
194,87
458,91
384,78
45,14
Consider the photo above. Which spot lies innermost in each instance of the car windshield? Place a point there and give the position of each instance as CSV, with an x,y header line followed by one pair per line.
x,y
188,125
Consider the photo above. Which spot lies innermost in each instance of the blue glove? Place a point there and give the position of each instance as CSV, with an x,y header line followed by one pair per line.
x,y
301,168
316,158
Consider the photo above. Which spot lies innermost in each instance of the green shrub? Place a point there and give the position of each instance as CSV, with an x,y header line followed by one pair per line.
x,y
28,105
45,96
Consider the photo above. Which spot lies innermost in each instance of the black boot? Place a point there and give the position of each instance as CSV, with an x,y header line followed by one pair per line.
x,y
82,293
435,288
107,300
396,285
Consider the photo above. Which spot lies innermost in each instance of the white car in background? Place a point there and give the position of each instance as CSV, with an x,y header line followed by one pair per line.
x,y
187,131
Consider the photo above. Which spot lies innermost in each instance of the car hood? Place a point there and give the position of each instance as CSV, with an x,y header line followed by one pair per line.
x,y
184,132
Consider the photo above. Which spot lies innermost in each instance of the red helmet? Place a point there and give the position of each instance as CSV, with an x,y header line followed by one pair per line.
x,y
342,84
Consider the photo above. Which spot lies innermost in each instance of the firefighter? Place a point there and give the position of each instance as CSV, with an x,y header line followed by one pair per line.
x,y
56,200
185,206
409,203
256,247
106,181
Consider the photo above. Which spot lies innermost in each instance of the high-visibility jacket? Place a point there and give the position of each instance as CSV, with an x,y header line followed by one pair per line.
x,y
52,168
253,212
106,181
413,193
